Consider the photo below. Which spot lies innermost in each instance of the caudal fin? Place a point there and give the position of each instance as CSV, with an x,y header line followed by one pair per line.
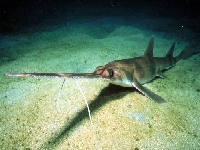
x,y
189,51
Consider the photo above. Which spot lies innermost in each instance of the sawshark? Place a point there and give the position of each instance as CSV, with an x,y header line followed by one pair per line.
x,y
132,72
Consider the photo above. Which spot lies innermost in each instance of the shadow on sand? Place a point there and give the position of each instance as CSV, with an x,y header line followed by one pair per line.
x,y
104,97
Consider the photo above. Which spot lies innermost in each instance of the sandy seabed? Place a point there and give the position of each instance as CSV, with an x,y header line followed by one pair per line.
x,y
33,116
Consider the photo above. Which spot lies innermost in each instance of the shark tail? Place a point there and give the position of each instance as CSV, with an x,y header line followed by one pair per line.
x,y
190,50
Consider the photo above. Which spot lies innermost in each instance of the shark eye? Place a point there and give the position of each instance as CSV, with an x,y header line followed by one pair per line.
x,y
111,73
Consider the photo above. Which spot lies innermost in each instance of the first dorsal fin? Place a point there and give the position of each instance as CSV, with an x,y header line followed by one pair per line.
x,y
149,49
171,50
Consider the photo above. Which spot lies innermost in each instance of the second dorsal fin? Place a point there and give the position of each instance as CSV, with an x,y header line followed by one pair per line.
x,y
171,50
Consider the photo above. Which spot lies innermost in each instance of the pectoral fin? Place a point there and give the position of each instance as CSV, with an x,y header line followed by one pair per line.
x,y
148,93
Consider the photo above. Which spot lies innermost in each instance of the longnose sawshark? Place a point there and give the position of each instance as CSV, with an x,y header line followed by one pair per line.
x,y
132,72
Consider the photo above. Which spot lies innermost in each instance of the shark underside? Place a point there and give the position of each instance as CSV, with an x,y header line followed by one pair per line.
x,y
131,72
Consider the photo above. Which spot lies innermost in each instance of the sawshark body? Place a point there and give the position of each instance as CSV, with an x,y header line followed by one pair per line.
x,y
131,72
136,71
